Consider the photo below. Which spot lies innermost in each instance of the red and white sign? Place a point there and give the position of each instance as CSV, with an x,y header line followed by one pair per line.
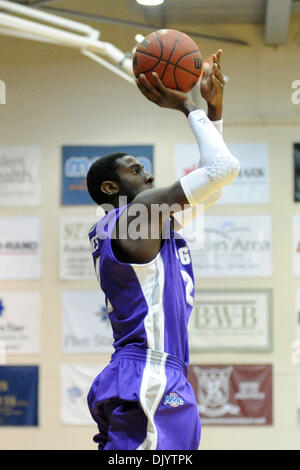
x,y
233,394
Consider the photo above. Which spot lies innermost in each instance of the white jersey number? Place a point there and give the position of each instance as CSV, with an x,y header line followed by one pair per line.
x,y
184,255
188,288
94,243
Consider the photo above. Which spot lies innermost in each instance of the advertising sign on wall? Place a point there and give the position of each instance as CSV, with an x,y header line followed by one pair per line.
x,y
76,381
296,172
76,262
20,248
251,185
20,176
233,394
20,322
231,320
86,326
235,246
76,161
19,395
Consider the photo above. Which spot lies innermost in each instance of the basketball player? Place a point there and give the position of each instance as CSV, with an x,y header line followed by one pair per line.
x,y
142,399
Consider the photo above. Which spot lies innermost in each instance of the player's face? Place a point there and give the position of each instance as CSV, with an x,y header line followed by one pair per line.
x,y
134,178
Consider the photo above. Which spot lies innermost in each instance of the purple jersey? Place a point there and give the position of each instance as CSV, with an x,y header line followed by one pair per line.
x,y
148,304
142,399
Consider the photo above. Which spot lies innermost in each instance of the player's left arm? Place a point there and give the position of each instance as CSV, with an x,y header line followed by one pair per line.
x,y
212,87
212,90
215,158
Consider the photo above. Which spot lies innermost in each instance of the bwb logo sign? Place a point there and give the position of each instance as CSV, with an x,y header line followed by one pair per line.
x,y
2,92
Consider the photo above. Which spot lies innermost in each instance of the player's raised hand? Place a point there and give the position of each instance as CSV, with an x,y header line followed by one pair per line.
x,y
163,96
212,83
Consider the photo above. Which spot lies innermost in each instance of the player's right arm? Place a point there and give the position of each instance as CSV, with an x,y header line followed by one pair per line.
x,y
218,168
212,88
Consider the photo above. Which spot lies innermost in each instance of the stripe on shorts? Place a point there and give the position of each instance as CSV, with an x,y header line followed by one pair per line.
x,y
153,386
151,277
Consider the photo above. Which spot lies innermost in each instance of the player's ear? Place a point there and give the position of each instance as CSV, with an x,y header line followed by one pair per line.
x,y
110,187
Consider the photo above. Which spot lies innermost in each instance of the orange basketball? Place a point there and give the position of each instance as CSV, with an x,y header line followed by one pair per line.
x,y
173,55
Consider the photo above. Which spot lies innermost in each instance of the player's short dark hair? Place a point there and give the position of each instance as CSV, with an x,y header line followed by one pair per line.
x,y
103,169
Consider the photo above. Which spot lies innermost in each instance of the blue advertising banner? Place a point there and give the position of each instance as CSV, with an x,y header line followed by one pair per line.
x,y
76,161
19,395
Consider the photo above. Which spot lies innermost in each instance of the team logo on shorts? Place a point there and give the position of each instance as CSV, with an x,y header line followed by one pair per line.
x,y
173,400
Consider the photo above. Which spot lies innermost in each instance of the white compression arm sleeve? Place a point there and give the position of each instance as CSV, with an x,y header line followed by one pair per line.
x,y
216,196
219,166
213,199
183,218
